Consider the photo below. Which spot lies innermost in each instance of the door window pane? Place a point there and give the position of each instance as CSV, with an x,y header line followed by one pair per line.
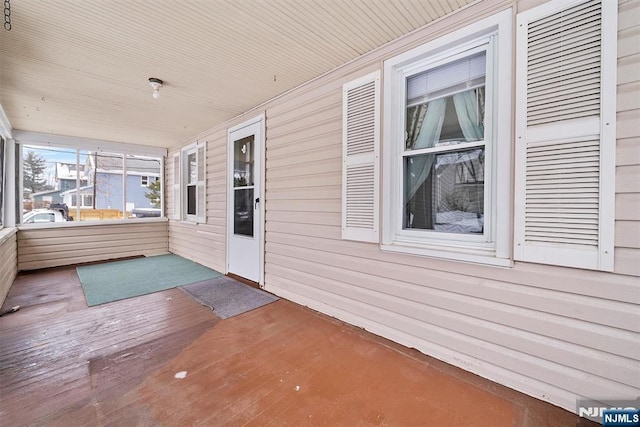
x,y
243,212
243,162
243,181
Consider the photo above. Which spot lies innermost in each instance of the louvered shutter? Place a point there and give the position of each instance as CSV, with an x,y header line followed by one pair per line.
x,y
360,158
565,150
201,187
177,202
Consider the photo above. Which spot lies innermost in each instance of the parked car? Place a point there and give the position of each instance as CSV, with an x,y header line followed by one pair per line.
x,y
57,212
145,213
38,216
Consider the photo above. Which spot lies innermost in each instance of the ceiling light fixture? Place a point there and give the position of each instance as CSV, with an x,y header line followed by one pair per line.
x,y
156,84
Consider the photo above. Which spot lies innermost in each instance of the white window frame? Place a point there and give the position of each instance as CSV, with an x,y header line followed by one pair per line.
x,y
43,140
176,165
3,167
146,180
493,247
191,149
83,201
199,185
85,204
9,170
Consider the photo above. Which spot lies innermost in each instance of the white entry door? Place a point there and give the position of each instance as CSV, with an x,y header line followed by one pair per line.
x,y
244,207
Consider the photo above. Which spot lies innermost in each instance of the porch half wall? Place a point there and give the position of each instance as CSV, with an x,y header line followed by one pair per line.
x,y
8,261
555,333
54,246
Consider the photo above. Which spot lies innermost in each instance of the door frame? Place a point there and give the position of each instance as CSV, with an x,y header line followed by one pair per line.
x,y
260,151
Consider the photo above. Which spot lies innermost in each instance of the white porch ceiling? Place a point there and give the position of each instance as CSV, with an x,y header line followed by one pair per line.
x,y
81,68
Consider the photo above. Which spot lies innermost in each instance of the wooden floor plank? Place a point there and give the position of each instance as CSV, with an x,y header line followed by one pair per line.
x,y
62,345
65,364
228,356
48,346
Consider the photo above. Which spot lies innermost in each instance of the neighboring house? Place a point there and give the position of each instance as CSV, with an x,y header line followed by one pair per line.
x,y
67,175
70,197
43,199
108,177
66,178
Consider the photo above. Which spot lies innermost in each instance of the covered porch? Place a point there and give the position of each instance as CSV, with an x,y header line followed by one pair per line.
x,y
509,283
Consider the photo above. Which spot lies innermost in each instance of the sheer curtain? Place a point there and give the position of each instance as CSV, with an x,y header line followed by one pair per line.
x,y
467,110
428,134
470,121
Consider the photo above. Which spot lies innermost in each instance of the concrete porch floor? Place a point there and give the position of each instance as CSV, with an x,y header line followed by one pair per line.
x,y
63,363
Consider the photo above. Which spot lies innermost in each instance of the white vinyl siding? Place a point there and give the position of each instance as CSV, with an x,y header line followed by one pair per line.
x,y
627,227
566,134
8,261
360,161
205,242
65,244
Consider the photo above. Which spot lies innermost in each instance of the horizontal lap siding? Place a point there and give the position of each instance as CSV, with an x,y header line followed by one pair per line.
x,y
8,264
57,246
627,227
205,243
200,243
553,332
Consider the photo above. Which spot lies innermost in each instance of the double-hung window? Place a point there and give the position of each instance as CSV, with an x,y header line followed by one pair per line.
x,y
447,118
444,153
193,182
146,180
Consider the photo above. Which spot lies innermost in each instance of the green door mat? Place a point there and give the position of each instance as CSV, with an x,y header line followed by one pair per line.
x,y
118,280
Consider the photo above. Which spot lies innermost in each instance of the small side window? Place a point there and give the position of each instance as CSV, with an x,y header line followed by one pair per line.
x,y
194,182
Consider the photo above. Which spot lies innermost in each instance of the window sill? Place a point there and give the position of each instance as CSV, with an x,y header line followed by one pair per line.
x,y
189,221
451,253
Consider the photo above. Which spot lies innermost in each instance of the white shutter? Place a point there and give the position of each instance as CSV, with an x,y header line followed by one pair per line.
x,y
565,150
177,201
360,158
201,187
